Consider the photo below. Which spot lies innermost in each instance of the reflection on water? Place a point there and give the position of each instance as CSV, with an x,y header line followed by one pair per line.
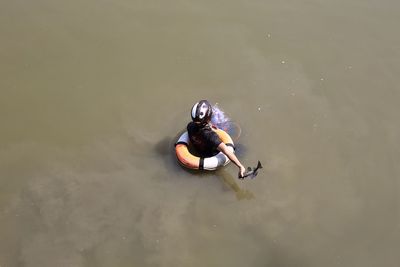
x,y
94,94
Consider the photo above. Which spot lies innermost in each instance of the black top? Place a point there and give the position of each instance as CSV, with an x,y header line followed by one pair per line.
x,y
204,140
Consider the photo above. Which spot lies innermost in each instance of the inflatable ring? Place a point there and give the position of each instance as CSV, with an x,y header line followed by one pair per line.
x,y
193,162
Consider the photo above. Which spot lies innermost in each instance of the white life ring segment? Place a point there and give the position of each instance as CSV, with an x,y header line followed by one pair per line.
x,y
193,162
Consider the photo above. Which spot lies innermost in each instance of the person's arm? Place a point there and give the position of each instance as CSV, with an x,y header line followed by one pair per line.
x,y
224,149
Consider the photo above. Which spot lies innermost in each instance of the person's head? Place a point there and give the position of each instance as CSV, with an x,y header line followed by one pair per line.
x,y
201,112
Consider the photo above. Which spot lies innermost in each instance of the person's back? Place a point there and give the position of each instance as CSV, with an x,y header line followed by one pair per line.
x,y
204,140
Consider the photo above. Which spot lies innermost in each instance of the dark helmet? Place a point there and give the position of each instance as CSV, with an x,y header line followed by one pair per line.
x,y
202,112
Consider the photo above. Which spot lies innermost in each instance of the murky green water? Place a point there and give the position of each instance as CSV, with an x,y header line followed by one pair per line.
x,y
93,94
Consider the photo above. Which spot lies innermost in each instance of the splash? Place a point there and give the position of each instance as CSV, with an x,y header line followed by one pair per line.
x,y
222,121
219,118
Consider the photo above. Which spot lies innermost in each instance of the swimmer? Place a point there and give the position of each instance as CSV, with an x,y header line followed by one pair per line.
x,y
205,141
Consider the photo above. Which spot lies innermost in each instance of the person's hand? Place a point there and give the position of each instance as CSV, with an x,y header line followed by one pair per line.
x,y
242,170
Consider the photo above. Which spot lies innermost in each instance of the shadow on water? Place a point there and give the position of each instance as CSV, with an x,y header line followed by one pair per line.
x,y
230,181
165,148
226,178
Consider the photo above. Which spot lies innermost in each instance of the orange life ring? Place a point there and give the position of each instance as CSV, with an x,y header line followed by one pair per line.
x,y
193,162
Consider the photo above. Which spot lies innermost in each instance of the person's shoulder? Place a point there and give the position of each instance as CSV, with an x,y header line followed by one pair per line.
x,y
210,131
209,128
212,136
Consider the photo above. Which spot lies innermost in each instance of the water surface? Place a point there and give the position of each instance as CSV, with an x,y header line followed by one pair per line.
x,y
94,93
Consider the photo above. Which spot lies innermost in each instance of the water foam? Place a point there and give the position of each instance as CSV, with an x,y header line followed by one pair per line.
x,y
219,118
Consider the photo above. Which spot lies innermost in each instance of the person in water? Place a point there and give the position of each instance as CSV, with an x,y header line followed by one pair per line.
x,y
205,141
